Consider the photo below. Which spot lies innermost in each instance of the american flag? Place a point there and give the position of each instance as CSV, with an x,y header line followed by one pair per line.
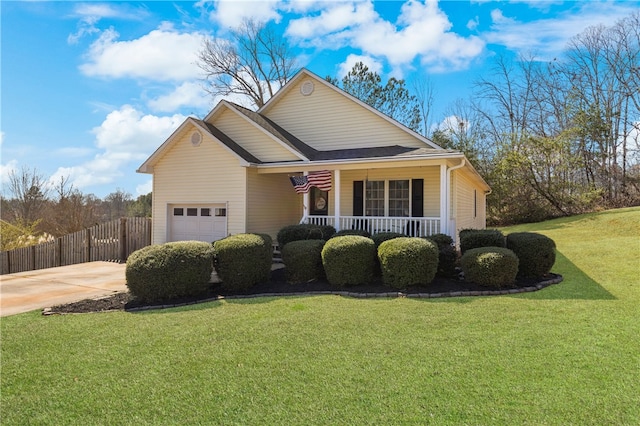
x,y
321,180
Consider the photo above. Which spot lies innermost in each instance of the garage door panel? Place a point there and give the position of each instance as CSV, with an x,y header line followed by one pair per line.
x,y
197,222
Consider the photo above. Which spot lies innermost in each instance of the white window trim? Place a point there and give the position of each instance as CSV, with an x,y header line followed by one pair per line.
x,y
386,196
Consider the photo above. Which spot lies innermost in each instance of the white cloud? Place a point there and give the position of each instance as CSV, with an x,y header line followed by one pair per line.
x,y
546,38
231,13
163,55
6,169
473,23
422,31
91,13
145,188
189,94
372,64
125,139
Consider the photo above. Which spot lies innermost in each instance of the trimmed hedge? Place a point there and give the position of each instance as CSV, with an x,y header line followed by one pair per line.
x,y
381,237
304,232
303,260
490,266
475,238
536,252
349,260
408,261
344,232
163,272
441,239
447,255
243,260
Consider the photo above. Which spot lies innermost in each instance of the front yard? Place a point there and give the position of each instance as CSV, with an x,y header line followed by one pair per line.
x,y
568,354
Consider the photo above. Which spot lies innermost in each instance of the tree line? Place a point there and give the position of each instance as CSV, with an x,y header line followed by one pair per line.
x,y
35,210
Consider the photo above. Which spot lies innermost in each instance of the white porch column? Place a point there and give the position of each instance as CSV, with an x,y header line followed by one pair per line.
x,y
336,198
444,200
306,197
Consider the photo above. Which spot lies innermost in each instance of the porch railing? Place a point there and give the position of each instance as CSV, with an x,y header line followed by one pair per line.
x,y
412,226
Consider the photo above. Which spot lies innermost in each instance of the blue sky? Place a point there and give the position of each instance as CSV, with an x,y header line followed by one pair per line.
x,y
90,89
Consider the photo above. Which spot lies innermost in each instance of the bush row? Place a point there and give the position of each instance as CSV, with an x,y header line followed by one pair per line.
x,y
173,270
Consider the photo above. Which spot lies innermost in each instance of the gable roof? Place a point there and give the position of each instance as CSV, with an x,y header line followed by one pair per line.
x,y
304,73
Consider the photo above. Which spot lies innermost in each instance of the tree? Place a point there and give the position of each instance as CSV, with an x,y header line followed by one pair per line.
x,y
29,190
425,94
255,62
141,207
117,203
392,98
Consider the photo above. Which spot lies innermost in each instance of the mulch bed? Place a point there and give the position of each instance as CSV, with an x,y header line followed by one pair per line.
x,y
278,286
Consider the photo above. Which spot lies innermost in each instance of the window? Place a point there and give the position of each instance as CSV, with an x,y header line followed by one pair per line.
x,y
221,212
399,198
396,202
374,198
192,212
178,211
205,212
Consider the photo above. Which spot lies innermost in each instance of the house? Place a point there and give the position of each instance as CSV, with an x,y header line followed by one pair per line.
x,y
231,172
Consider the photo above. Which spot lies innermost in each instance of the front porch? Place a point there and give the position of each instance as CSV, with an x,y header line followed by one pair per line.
x,y
411,226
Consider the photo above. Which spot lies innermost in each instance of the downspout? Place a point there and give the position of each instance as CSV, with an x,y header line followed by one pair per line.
x,y
448,203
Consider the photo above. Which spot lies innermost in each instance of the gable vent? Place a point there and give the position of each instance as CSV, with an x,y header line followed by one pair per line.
x,y
307,88
196,138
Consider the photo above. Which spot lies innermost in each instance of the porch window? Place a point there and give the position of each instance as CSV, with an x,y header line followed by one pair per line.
x,y
374,198
399,198
395,202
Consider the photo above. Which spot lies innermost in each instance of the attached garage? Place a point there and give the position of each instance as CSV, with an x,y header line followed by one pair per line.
x,y
202,222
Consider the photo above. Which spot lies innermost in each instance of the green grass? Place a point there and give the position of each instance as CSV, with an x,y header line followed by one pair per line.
x,y
569,354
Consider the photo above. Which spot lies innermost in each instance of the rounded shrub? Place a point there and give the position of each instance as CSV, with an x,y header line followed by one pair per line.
x,y
343,232
441,239
474,238
447,255
243,260
303,260
408,261
304,231
536,253
490,266
381,237
163,272
349,260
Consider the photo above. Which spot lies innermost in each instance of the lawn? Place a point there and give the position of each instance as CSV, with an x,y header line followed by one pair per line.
x,y
568,354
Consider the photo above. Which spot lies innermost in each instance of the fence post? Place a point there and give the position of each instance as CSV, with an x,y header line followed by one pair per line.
x,y
59,253
123,239
87,248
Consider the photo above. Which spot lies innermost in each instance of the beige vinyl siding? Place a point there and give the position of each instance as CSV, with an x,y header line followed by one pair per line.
x,y
272,203
328,120
430,174
254,140
204,174
463,209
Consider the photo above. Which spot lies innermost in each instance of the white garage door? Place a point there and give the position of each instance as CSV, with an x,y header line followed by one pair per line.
x,y
198,222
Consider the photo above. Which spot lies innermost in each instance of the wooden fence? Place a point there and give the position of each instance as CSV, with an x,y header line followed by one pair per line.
x,y
112,241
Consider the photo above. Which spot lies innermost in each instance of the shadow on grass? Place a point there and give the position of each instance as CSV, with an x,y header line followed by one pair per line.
x,y
576,285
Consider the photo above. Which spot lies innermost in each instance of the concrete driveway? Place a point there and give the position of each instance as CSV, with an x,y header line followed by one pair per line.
x,y
26,291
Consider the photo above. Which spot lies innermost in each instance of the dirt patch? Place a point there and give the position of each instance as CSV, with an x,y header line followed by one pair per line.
x,y
277,285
